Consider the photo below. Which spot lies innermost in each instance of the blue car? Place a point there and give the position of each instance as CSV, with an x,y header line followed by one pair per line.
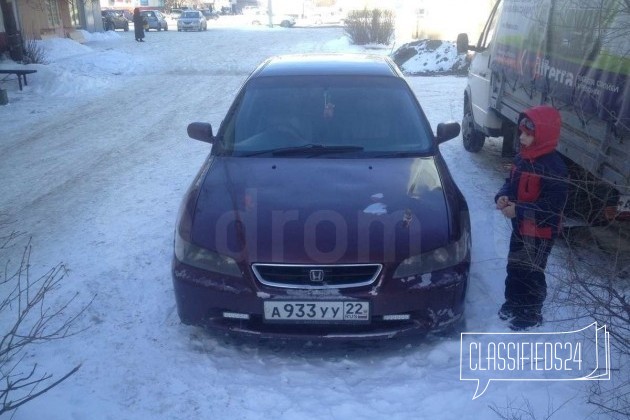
x,y
155,20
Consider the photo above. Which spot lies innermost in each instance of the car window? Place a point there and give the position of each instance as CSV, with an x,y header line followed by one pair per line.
x,y
378,114
190,15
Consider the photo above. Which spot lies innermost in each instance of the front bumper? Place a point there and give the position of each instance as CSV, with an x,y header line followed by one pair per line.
x,y
189,27
432,301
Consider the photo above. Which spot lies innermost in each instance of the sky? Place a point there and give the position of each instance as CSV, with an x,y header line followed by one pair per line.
x,y
95,161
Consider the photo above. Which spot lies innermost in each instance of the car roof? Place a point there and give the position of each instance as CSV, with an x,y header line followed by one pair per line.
x,y
327,65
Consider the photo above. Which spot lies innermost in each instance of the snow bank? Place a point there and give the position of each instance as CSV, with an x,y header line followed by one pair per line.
x,y
430,57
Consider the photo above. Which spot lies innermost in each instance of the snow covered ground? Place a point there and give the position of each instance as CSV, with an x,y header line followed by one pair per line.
x,y
94,160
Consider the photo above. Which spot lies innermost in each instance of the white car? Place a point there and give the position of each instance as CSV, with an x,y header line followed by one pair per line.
x,y
192,20
262,18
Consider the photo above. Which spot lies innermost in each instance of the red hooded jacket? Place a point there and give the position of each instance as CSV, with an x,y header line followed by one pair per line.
x,y
537,182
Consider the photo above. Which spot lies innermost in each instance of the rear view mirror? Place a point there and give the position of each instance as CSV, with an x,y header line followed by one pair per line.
x,y
200,131
462,43
463,46
447,131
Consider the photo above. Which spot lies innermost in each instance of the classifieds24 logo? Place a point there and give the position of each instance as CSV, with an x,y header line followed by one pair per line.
x,y
535,356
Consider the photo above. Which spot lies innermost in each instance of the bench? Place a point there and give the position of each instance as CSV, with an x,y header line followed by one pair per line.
x,y
20,73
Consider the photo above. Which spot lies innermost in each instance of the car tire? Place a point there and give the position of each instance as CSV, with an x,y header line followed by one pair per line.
x,y
285,24
473,139
166,27
126,28
159,28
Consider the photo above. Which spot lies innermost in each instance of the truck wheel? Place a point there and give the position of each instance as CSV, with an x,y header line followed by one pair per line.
x,y
588,198
473,139
510,133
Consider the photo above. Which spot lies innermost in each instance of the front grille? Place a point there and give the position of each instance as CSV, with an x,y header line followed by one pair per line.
x,y
340,276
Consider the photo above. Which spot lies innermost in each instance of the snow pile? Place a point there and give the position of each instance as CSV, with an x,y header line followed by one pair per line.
x,y
70,68
430,57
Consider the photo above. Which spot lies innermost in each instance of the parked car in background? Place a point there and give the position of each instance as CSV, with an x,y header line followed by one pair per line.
x,y
327,18
114,19
226,10
209,14
261,17
191,20
156,20
324,209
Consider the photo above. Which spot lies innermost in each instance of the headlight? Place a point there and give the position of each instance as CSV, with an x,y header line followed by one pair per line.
x,y
438,259
199,257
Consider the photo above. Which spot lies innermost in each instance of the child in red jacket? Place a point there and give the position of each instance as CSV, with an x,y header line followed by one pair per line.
x,y
533,197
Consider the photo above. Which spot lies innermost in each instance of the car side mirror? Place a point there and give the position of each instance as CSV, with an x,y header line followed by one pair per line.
x,y
200,131
447,131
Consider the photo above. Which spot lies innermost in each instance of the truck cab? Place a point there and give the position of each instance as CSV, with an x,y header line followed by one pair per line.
x,y
574,57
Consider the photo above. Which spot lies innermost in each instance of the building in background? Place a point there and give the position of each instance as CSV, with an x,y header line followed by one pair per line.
x,y
37,19
131,4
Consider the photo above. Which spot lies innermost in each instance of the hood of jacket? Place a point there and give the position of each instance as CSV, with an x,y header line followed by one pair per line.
x,y
547,123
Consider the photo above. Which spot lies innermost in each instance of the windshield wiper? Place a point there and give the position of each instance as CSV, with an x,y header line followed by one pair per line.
x,y
316,149
308,149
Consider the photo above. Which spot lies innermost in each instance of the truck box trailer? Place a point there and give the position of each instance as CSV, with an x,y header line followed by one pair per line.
x,y
575,56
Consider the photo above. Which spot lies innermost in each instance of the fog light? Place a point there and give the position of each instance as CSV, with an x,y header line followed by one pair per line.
x,y
235,315
400,317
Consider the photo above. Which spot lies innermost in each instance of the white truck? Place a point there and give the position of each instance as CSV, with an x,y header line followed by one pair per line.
x,y
575,56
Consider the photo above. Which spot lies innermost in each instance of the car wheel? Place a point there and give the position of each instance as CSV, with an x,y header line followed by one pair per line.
x,y
126,28
285,23
166,27
159,28
473,138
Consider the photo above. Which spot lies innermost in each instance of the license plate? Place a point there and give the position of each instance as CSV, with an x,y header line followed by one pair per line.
x,y
317,311
624,203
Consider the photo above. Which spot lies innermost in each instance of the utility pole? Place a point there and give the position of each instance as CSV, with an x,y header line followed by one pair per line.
x,y
270,13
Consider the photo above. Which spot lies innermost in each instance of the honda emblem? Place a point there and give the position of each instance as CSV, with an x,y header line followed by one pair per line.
x,y
316,275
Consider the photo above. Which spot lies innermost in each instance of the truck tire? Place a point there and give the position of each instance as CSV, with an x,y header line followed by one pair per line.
x,y
473,138
588,198
510,133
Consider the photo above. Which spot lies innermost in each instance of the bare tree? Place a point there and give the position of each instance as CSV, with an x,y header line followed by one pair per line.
x,y
29,318
593,286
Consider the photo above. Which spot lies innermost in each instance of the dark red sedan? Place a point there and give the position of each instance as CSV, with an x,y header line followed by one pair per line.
x,y
324,210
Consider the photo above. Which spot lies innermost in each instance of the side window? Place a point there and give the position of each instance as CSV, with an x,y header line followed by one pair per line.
x,y
488,30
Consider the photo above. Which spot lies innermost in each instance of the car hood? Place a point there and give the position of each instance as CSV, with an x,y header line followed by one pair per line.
x,y
293,210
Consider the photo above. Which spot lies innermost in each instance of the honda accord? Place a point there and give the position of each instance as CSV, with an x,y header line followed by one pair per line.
x,y
324,209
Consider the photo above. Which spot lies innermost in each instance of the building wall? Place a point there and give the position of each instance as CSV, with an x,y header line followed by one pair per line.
x,y
42,18
130,4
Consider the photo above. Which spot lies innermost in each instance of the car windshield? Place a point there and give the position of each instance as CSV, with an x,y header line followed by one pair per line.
x,y
349,115
189,15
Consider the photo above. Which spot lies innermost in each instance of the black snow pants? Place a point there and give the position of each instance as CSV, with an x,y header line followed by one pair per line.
x,y
525,285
